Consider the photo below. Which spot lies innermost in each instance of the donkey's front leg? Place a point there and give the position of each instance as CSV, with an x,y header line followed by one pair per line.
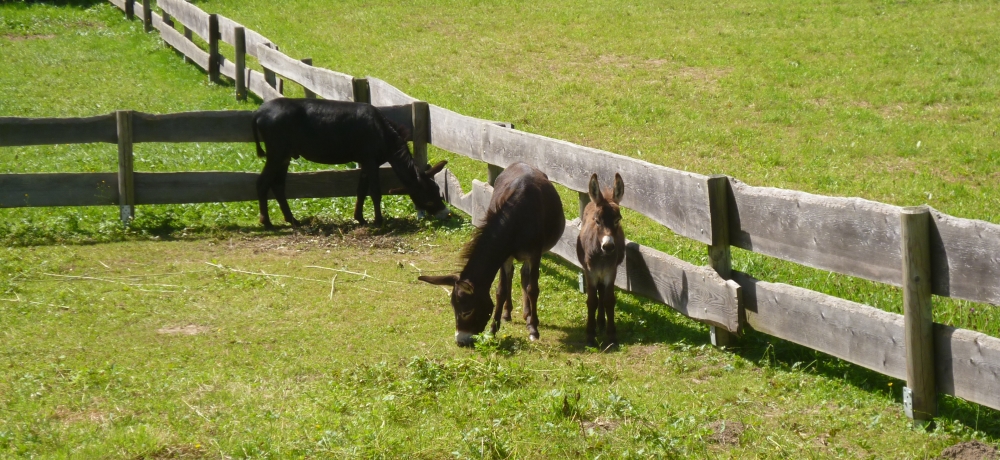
x,y
608,300
592,303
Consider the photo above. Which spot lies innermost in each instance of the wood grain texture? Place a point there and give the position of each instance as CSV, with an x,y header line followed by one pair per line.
x,y
844,235
857,333
918,317
16,131
213,187
188,15
965,258
227,30
676,199
126,184
257,84
401,114
119,3
326,83
456,133
58,189
383,93
186,47
208,126
968,365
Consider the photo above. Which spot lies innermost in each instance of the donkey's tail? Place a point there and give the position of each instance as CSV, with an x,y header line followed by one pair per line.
x,y
256,137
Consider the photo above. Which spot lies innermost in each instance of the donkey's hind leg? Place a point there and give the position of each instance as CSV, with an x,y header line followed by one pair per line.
x,y
359,206
529,287
267,179
507,282
280,197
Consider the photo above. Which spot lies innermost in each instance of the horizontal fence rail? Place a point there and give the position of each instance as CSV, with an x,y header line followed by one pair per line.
x,y
851,236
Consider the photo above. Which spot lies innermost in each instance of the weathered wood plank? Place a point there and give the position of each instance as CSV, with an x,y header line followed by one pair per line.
x,y
383,93
456,133
968,365
857,333
187,14
676,199
209,126
845,235
257,84
119,3
58,189
16,131
965,258
324,82
401,114
186,47
227,29
215,187
697,292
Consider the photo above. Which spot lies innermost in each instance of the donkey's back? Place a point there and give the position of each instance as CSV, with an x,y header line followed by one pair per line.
x,y
526,209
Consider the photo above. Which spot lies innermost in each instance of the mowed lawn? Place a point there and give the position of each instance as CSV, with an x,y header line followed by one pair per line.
x,y
195,334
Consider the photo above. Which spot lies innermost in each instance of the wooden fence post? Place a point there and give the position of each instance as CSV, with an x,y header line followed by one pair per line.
x,y
130,9
269,76
309,94
213,49
190,36
719,256
147,17
920,394
362,92
421,133
240,43
126,185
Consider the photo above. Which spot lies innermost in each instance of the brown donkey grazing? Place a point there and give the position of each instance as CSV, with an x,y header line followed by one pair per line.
x,y
525,219
601,248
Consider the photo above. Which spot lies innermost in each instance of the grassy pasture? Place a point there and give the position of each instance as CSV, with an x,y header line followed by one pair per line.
x,y
229,364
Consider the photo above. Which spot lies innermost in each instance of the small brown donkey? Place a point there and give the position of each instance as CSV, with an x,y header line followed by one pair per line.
x,y
600,249
524,219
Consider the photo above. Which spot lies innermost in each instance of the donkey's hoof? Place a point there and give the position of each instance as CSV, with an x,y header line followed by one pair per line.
x,y
506,317
592,342
533,337
295,223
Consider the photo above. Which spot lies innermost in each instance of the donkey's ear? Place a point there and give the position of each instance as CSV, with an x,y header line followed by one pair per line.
x,y
445,280
436,168
594,190
619,189
465,287
397,191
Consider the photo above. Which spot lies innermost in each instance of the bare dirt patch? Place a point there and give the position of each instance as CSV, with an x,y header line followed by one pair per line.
x,y
726,433
21,38
599,425
971,450
315,233
70,416
190,329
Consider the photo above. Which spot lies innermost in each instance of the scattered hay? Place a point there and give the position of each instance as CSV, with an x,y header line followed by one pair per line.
x,y
971,450
68,416
190,329
725,432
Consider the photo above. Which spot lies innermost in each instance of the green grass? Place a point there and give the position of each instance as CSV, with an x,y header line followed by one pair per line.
x,y
829,99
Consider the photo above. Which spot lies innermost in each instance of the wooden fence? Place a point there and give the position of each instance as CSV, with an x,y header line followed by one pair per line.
x,y
921,250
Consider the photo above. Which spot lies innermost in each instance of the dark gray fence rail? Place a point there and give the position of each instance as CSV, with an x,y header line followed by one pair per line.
x,y
844,235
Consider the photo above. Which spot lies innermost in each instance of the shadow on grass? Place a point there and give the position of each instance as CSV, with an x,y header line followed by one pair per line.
x,y
643,322
649,322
